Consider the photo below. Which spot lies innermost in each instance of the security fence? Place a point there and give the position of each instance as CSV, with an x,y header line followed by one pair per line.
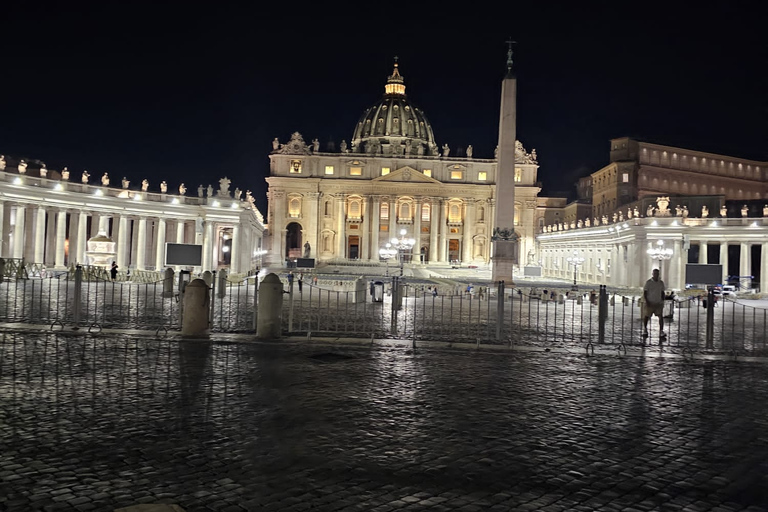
x,y
393,308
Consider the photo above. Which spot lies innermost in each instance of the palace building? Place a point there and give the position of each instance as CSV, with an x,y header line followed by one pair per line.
x,y
46,219
392,176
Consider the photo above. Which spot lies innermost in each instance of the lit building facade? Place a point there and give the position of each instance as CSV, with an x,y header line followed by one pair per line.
x,y
392,176
47,219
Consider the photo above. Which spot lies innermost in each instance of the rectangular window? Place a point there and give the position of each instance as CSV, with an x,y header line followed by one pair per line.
x,y
428,172
518,174
328,169
355,171
456,175
384,211
482,176
625,177
385,171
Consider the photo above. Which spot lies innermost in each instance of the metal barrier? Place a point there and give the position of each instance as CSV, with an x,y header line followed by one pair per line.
x,y
495,315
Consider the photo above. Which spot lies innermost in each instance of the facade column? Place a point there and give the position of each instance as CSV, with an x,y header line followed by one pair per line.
x,y
82,230
365,244
160,249
703,253
466,243
341,222
443,232
208,246
375,221
18,232
745,265
141,250
234,257
313,237
724,260
122,241
2,229
434,245
61,237
417,228
276,230
39,254
392,218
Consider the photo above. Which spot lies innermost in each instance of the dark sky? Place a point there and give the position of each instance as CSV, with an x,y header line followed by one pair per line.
x,y
186,93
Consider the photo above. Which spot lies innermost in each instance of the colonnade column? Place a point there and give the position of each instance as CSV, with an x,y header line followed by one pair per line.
x,y
466,243
443,234
82,227
375,221
61,237
764,267
2,231
703,253
676,277
434,248
724,260
141,249
745,264
208,246
417,229
160,249
122,241
39,256
18,232
180,225
341,238
234,262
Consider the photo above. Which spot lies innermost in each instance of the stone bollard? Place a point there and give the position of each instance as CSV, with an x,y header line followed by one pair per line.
x,y
221,284
560,298
168,283
208,278
360,290
197,303
269,322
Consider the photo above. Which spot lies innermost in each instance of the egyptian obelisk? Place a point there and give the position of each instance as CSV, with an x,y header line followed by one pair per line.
x,y
504,255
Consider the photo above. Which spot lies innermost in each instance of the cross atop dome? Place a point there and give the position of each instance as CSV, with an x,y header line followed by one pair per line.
x,y
395,82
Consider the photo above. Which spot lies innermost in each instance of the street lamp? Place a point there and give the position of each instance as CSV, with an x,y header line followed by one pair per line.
x,y
387,253
576,261
660,253
401,245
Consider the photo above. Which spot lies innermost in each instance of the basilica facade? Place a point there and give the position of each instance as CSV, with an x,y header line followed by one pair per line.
x,y
391,180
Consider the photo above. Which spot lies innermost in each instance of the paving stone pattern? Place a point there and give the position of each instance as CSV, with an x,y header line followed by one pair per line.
x,y
97,423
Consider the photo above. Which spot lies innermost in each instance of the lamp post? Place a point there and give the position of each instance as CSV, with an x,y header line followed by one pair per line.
x,y
401,245
387,253
660,253
576,261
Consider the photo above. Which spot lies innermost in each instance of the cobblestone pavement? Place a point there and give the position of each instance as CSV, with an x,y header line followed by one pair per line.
x,y
98,423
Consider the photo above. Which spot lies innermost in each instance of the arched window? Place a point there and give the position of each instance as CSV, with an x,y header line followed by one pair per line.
x,y
294,207
354,209
328,211
454,213
405,211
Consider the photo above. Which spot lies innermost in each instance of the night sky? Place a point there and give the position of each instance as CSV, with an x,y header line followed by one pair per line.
x,y
185,93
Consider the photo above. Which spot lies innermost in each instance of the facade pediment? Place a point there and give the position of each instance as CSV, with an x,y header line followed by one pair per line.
x,y
406,175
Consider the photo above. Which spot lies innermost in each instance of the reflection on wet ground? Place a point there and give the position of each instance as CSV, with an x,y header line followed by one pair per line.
x,y
95,423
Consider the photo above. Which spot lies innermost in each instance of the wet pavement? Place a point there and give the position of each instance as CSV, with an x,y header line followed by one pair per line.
x,y
98,423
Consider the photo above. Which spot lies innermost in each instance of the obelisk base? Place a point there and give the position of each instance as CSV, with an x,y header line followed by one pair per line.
x,y
504,260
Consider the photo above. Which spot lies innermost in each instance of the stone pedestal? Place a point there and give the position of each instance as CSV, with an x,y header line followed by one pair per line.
x,y
504,260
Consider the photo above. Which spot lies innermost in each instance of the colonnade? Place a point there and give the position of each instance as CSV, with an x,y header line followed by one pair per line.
x,y
57,237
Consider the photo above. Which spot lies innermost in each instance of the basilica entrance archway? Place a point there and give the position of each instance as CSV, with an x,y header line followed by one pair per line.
x,y
293,241
353,247
454,249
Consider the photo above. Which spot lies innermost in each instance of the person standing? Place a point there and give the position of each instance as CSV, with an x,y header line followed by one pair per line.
x,y
653,303
300,280
113,271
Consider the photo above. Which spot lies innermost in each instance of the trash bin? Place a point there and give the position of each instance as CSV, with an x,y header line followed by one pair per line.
x,y
378,291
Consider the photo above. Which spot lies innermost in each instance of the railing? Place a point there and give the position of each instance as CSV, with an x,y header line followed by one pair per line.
x,y
398,308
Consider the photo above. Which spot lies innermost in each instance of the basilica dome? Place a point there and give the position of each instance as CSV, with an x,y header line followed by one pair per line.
x,y
394,126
